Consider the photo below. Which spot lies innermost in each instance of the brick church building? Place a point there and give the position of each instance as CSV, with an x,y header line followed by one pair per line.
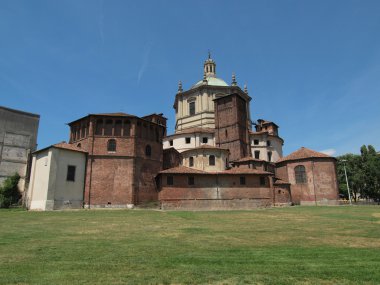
x,y
214,159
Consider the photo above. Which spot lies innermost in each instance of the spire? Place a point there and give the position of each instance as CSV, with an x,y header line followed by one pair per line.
x,y
234,83
245,89
180,87
209,66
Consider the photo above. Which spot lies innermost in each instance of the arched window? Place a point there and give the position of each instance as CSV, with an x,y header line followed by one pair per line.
x,y
191,161
148,150
211,160
111,145
300,174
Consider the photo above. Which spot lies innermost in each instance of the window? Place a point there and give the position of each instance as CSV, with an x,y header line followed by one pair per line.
x,y
242,180
70,173
127,128
169,180
191,161
108,128
191,180
257,154
226,133
117,131
268,143
192,108
300,174
211,160
188,140
99,127
256,142
148,150
111,145
262,181
79,145
205,139
269,156
171,142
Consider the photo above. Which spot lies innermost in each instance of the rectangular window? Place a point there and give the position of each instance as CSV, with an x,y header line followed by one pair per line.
x,y
188,140
257,154
192,108
262,181
256,142
171,142
242,180
169,180
191,180
268,143
70,173
269,156
205,140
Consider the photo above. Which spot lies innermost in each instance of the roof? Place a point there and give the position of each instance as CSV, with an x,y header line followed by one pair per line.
x,y
265,122
213,81
237,170
119,114
206,146
63,145
248,158
20,112
280,182
187,170
304,153
182,170
193,130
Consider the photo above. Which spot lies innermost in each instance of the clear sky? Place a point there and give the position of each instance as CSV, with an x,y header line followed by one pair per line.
x,y
312,67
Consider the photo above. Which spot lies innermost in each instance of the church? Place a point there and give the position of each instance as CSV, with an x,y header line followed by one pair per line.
x,y
217,158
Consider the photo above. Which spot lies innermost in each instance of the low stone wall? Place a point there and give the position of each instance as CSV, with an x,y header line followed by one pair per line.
x,y
320,203
211,205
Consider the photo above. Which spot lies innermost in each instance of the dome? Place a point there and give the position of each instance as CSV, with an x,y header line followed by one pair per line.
x,y
213,81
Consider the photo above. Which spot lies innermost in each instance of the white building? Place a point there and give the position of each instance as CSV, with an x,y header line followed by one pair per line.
x,y
57,178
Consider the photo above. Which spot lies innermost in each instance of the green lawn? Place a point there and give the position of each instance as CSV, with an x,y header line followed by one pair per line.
x,y
294,245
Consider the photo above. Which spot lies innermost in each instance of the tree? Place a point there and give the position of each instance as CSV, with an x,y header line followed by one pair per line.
x,y
9,192
363,172
355,175
371,171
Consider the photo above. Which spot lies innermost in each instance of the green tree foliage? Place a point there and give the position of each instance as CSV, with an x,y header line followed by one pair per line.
x,y
363,172
9,192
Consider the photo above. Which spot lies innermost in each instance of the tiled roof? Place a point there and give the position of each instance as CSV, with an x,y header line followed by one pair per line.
x,y
248,158
206,146
238,170
119,114
68,146
280,182
303,153
183,170
194,130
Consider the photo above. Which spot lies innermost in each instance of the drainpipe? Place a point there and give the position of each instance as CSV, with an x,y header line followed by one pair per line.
x,y
315,194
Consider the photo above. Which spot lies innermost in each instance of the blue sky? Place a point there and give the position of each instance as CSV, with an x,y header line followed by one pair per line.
x,y
313,67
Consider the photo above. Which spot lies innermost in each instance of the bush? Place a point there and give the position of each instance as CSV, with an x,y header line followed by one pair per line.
x,y
9,192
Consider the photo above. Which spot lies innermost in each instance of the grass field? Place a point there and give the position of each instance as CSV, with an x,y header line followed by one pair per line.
x,y
294,245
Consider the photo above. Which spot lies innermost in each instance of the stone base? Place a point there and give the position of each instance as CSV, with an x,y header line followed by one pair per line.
x,y
211,205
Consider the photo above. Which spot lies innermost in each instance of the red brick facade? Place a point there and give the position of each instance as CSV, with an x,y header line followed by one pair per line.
x,y
124,156
231,125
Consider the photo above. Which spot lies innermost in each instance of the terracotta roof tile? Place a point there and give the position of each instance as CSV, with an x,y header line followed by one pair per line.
x,y
248,158
237,170
183,170
194,130
303,153
280,182
68,146
206,146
